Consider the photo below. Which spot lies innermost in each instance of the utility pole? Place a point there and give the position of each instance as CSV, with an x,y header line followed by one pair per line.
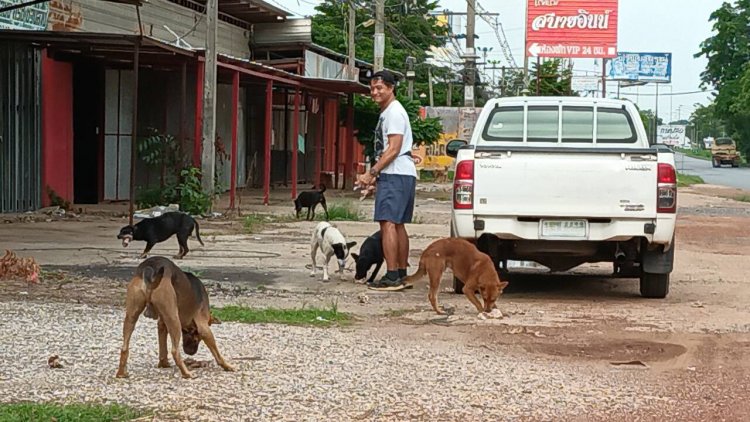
x,y
604,78
470,55
449,94
410,75
208,157
379,50
352,28
429,84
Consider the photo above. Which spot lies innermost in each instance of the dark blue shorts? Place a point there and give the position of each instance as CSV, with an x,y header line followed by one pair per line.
x,y
394,198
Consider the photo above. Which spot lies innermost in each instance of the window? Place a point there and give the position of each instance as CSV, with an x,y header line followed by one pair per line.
x,y
724,141
613,125
578,124
543,124
505,124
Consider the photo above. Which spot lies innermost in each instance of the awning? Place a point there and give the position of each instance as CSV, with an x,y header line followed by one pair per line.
x,y
109,48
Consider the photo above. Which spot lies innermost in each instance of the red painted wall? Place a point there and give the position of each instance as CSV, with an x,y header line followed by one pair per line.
x,y
57,128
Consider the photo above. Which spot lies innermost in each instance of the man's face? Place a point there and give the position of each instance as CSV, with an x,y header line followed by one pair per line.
x,y
379,91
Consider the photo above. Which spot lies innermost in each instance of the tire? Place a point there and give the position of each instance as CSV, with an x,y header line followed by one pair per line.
x,y
654,286
715,164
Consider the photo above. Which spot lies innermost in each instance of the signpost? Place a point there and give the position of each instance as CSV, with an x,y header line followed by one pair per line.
x,y
571,28
32,17
671,135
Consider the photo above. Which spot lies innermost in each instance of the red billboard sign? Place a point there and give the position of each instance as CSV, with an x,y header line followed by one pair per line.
x,y
571,28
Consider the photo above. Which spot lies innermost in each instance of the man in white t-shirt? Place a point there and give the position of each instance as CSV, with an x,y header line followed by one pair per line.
x,y
396,177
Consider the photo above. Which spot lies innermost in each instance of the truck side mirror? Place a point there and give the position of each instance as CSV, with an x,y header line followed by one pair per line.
x,y
451,149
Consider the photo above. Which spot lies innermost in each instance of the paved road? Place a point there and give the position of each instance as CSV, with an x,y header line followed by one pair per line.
x,y
725,175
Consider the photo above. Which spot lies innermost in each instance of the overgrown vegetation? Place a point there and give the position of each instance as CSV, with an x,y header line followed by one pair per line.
x,y
302,316
341,211
684,180
180,183
23,412
56,200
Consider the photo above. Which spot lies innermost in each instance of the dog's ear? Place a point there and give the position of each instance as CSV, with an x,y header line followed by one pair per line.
x,y
350,245
503,285
355,256
212,320
159,274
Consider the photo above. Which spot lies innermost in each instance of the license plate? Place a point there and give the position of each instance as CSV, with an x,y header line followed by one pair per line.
x,y
564,228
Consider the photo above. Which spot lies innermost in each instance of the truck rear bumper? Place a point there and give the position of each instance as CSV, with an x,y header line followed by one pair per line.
x,y
658,230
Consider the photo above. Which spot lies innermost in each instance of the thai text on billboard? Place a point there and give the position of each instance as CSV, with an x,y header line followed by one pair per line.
x,y
572,28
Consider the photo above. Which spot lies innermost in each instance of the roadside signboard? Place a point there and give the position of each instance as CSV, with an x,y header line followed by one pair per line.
x,y
671,134
571,28
642,67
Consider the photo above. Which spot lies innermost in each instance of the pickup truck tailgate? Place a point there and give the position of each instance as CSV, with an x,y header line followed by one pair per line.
x,y
600,184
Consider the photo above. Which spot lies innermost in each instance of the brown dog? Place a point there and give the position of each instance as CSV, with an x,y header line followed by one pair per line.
x,y
180,302
441,176
469,265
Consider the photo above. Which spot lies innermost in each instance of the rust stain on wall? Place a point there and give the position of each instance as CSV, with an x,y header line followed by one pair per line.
x,y
65,15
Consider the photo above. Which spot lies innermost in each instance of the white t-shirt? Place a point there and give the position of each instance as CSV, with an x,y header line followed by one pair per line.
x,y
395,121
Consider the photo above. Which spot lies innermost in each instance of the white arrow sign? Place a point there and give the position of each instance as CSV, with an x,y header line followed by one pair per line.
x,y
534,49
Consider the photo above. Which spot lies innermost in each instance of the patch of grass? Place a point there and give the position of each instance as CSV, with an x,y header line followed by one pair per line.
x,y
684,180
68,412
302,316
742,198
342,211
702,154
254,222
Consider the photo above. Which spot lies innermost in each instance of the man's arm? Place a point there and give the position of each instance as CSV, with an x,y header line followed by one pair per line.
x,y
389,154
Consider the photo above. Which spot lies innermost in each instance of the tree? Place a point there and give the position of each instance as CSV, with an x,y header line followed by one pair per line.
x,y
410,31
727,71
647,117
551,78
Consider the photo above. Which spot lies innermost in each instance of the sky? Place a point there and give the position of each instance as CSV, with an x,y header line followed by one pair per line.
x,y
671,26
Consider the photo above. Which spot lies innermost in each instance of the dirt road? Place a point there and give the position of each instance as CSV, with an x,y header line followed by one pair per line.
x,y
581,347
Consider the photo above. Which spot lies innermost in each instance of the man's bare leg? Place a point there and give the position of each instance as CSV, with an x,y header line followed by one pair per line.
x,y
403,247
390,240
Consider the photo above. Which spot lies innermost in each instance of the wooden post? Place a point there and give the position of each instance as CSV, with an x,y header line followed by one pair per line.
x,y
295,133
267,138
235,117
349,142
199,75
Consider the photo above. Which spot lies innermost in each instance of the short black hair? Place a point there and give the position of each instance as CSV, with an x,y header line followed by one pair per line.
x,y
387,77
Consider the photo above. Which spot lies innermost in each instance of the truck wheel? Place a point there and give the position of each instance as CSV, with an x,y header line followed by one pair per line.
x,y
735,165
654,286
715,163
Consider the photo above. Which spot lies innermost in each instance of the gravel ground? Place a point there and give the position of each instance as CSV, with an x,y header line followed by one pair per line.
x,y
300,373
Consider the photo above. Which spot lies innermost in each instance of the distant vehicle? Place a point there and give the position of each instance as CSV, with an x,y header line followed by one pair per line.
x,y
724,151
563,181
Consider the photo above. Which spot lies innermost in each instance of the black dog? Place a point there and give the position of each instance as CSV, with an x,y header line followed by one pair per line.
x,y
159,229
370,253
310,200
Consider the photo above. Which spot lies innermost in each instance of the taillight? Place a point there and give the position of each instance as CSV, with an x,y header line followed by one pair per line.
x,y
666,189
463,185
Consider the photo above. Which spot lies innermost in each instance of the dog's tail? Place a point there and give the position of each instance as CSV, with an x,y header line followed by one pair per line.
x,y
421,272
322,188
152,278
197,234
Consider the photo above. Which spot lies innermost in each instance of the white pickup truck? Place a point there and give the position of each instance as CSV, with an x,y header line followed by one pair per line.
x,y
564,181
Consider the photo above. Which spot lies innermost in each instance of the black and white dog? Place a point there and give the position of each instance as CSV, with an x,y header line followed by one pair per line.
x,y
331,242
370,253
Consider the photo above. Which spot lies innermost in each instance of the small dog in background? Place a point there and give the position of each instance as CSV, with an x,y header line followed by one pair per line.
x,y
310,200
441,176
331,242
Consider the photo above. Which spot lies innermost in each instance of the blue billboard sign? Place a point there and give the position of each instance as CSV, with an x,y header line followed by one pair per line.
x,y
643,67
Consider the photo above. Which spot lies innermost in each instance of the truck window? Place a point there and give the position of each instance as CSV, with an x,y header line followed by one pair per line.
x,y
613,125
542,124
505,124
578,124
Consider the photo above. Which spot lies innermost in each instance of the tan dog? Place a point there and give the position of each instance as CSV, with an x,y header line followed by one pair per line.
x,y
441,176
180,302
469,265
